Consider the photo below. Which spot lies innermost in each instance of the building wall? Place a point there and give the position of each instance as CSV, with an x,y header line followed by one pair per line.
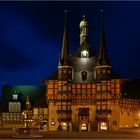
x,y
114,117
123,112
10,119
83,64
52,116
129,113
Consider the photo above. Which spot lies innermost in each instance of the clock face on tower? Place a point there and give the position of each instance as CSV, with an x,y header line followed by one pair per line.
x,y
84,54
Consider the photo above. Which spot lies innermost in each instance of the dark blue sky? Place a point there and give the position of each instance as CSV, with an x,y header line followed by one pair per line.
x,y
31,37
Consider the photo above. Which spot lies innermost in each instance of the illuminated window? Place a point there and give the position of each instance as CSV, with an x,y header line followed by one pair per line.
x,y
104,71
98,107
41,111
64,71
78,90
104,107
64,88
108,88
104,88
84,54
35,111
88,91
64,107
103,126
59,88
117,91
98,88
69,107
69,87
83,90
59,107
108,71
14,106
64,126
84,126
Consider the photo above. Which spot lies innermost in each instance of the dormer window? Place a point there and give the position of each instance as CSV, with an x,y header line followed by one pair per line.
x,y
84,54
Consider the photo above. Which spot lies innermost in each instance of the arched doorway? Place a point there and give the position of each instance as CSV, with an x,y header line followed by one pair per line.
x,y
84,127
103,126
64,126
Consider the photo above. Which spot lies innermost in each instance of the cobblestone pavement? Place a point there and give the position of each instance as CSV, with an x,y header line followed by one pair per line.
x,y
121,134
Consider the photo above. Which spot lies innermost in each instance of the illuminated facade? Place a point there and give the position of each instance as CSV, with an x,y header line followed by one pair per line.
x,y
85,93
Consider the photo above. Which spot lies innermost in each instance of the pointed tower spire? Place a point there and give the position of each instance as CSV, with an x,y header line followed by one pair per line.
x,y
102,52
64,58
64,65
103,67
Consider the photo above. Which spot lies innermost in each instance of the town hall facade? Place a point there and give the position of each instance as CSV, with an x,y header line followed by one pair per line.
x,y
85,94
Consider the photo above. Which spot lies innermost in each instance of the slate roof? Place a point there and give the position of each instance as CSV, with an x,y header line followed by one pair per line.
x,y
84,46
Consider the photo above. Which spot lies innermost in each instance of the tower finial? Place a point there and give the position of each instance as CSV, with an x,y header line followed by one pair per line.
x,y
83,30
65,17
102,11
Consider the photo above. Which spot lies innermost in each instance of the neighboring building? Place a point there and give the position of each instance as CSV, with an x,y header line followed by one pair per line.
x,y
85,93
14,104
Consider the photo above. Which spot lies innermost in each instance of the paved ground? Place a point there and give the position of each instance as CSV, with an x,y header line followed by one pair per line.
x,y
121,134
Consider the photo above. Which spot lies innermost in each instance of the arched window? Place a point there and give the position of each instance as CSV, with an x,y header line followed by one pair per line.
x,y
84,75
84,54
84,126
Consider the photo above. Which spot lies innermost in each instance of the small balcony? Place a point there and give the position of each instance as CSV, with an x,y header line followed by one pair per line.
x,y
64,111
107,111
